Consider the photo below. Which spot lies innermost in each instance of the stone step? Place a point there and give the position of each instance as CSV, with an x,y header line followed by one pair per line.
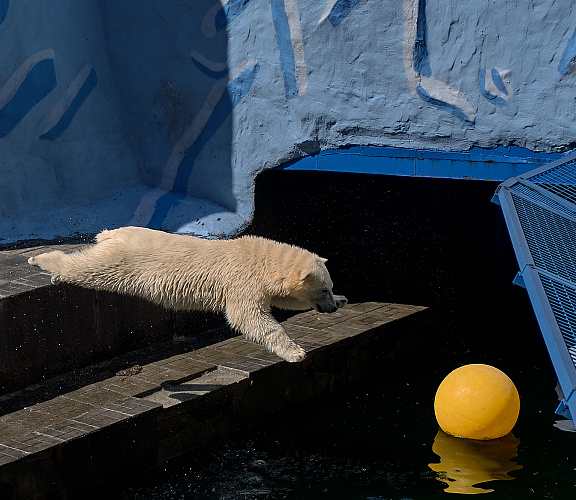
x,y
49,330
59,438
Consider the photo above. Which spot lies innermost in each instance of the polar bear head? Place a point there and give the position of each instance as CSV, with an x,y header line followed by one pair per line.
x,y
311,287
319,288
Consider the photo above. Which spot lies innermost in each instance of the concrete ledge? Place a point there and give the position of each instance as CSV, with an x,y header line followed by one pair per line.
x,y
142,417
49,330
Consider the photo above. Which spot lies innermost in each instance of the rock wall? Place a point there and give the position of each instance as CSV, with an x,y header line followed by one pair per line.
x,y
162,113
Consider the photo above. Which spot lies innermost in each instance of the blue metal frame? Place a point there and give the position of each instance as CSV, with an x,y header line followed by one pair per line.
x,y
496,164
540,213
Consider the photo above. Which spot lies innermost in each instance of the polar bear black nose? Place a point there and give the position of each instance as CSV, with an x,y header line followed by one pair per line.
x,y
325,308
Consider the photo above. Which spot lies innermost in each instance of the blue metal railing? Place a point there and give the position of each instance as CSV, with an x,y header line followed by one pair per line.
x,y
495,164
539,208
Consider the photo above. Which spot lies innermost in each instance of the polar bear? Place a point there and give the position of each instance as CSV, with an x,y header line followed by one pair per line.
x,y
242,277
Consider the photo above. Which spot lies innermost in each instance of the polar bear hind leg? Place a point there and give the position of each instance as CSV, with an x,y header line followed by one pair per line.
x,y
51,262
77,267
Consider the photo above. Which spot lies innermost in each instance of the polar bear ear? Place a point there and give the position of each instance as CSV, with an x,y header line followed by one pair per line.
x,y
294,280
304,274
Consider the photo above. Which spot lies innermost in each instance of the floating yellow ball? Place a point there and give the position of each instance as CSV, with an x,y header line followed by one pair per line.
x,y
477,402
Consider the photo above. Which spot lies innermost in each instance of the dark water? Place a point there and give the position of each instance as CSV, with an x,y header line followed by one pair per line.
x,y
377,440
429,242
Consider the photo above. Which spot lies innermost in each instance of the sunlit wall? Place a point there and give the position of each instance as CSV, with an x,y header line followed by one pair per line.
x,y
162,113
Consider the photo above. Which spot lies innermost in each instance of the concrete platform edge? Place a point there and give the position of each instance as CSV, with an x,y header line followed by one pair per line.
x,y
129,431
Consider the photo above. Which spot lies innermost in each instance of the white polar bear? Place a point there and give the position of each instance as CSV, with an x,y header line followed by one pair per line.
x,y
243,277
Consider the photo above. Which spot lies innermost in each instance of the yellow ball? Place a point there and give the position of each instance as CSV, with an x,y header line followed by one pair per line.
x,y
477,402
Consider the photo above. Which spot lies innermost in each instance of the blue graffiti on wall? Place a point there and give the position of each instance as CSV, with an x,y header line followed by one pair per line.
x,y
234,92
27,86
63,113
494,85
209,68
421,57
286,21
443,105
337,10
340,10
226,93
418,71
3,9
287,59
417,59
229,12
32,81
566,65
230,88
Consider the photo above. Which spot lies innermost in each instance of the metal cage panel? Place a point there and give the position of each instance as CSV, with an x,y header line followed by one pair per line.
x,y
539,208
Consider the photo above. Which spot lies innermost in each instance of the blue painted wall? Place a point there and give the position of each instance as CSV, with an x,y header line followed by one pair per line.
x,y
162,113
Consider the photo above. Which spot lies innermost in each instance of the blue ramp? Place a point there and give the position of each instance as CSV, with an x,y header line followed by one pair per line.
x,y
539,208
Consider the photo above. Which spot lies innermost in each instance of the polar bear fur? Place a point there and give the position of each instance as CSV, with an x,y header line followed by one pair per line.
x,y
242,278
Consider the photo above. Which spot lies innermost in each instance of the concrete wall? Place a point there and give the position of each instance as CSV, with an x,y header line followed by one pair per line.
x,y
162,113
62,139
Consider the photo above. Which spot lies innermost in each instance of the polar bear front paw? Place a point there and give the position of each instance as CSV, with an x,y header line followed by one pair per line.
x,y
292,354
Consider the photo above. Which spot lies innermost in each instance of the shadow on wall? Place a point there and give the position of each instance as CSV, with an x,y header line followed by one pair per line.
x,y
173,85
141,136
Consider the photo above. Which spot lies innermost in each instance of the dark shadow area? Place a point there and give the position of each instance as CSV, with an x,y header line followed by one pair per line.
x,y
55,329
433,242
399,239
51,387
83,238
161,63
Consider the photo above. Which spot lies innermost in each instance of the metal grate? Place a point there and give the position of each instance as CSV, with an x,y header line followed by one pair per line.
x,y
563,302
542,199
560,180
550,237
540,212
